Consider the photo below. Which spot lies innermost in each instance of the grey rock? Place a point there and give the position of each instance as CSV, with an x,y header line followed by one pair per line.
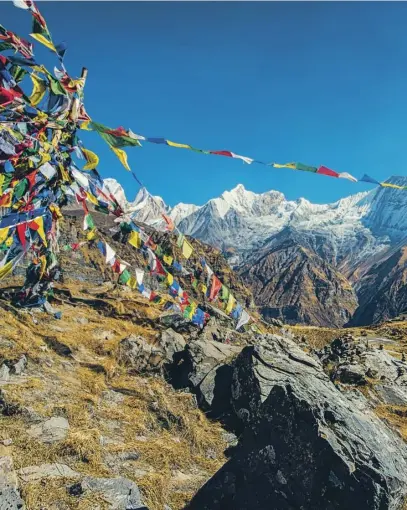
x,y
55,470
7,442
53,430
303,444
120,493
4,373
171,342
392,395
201,367
10,498
139,355
351,374
20,366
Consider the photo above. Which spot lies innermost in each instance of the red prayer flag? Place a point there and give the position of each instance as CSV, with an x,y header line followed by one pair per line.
x,y
323,170
21,233
215,288
222,153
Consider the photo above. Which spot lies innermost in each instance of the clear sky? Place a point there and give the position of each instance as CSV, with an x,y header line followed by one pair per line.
x,y
319,83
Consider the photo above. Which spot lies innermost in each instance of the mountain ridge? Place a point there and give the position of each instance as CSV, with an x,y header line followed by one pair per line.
x,y
346,240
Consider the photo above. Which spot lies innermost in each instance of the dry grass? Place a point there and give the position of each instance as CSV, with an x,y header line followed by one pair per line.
x,y
109,412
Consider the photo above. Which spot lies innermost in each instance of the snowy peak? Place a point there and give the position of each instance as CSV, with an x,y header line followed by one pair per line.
x,y
245,220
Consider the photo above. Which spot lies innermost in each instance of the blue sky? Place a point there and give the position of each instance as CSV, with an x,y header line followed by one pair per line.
x,y
319,83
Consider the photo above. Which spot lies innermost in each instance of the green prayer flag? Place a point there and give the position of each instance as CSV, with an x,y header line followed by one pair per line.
x,y
17,72
305,168
225,293
124,277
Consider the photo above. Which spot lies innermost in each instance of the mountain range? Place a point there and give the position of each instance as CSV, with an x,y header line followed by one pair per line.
x,y
322,264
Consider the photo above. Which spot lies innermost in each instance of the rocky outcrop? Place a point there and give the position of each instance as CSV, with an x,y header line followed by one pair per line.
x,y
204,367
291,282
354,361
303,442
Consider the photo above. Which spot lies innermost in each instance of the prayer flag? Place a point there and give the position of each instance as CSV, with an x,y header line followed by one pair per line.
x,y
323,170
186,249
366,178
91,158
122,157
230,304
305,168
6,269
39,89
134,239
167,259
285,165
215,288
244,319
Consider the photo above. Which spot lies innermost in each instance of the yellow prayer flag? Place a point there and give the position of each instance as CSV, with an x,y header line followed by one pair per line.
x,y
122,157
91,158
132,282
45,157
41,232
39,89
85,125
286,165
91,235
179,145
9,241
56,211
135,239
91,198
168,259
231,304
170,279
43,40
186,249
204,288
6,269
3,234
388,185
43,261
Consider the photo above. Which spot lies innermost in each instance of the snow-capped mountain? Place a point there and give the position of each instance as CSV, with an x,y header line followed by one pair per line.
x,y
354,227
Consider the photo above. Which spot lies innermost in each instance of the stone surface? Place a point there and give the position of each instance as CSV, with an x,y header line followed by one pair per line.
x,y
171,342
4,373
19,367
53,430
120,493
304,443
139,355
201,367
55,470
10,498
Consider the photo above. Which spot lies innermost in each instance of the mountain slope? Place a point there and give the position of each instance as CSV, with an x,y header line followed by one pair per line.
x,y
291,282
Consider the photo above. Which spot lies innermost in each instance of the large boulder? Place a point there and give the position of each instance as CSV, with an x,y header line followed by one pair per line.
x,y
304,443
